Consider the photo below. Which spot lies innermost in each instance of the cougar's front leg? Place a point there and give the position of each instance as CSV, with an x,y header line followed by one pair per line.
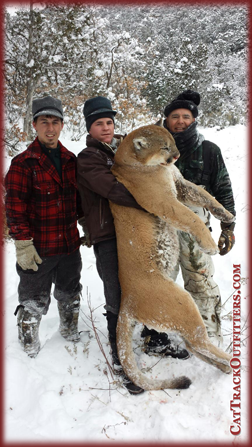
x,y
184,219
190,194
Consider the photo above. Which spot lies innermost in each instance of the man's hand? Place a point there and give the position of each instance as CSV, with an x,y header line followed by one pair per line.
x,y
227,238
27,256
85,240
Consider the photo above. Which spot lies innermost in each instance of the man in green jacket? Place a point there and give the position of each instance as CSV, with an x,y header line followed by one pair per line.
x,y
200,162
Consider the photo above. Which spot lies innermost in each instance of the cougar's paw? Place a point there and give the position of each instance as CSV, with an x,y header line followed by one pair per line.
x,y
231,218
227,370
224,368
227,217
223,215
208,245
211,251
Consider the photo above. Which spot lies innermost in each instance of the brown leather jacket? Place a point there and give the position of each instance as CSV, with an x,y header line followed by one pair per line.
x,y
97,185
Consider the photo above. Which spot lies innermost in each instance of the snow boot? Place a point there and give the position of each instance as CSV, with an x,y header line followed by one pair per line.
x,y
118,370
69,314
28,330
111,325
131,387
117,367
158,343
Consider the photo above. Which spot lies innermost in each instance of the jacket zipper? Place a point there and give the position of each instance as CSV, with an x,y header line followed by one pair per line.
x,y
101,215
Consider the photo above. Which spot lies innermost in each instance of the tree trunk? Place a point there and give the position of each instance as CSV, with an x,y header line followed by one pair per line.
x,y
28,116
31,84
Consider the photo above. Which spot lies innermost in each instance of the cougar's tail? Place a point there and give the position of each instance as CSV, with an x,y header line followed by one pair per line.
x,y
125,327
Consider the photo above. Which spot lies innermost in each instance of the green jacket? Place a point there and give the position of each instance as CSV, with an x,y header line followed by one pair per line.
x,y
208,169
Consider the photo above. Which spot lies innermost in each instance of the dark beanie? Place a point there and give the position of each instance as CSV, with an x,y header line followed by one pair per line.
x,y
186,100
95,108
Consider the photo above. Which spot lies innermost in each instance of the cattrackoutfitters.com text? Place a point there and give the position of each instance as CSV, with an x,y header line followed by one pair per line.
x,y
235,363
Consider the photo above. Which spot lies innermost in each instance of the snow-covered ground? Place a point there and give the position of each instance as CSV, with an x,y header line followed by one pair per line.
x,y
67,394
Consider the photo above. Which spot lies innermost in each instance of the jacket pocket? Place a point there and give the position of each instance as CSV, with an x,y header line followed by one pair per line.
x,y
47,199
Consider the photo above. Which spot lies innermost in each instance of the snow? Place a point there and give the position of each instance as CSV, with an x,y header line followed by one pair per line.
x,y
31,63
67,394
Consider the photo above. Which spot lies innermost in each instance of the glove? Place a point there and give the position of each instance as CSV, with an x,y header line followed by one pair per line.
x,y
27,256
227,238
85,240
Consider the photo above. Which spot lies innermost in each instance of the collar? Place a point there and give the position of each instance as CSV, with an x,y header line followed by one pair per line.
x,y
188,140
34,150
112,147
54,151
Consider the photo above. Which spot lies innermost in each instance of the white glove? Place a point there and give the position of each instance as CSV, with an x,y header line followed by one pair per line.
x,y
27,255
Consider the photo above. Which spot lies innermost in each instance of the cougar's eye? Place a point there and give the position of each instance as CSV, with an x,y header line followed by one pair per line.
x,y
166,149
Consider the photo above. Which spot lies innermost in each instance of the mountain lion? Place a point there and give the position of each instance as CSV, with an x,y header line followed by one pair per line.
x,y
144,164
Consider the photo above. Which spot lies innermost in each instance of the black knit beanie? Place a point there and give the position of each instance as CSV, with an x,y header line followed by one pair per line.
x,y
185,100
95,108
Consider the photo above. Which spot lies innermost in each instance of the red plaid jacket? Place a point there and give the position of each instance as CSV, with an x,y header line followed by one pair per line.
x,y
39,204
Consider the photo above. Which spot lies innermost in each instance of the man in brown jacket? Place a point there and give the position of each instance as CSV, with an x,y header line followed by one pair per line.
x,y
97,185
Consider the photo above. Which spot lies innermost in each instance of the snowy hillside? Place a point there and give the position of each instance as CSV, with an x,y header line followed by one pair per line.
x,y
67,394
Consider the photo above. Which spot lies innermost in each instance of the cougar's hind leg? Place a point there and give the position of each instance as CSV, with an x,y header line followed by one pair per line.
x,y
212,355
176,310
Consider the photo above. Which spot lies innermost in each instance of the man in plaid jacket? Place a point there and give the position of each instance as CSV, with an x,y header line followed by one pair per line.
x,y
42,208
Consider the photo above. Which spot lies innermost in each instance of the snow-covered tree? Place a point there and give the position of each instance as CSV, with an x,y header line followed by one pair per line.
x,y
141,57
198,47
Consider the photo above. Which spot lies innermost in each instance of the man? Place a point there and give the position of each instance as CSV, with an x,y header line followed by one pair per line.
x,y
41,209
97,185
200,162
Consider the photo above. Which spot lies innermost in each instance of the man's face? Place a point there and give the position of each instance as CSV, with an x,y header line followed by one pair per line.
x,y
103,130
48,130
178,120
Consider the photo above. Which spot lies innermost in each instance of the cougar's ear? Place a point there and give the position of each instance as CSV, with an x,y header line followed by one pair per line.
x,y
159,122
140,143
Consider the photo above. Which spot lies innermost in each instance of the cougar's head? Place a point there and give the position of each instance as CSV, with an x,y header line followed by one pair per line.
x,y
149,145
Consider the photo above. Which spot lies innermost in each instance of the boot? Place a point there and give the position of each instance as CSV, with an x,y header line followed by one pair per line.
x,y
117,367
28,330
131,387
111,325
69,314
158,343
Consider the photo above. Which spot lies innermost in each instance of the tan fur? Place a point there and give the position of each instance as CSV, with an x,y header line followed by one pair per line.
x,y
144,164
